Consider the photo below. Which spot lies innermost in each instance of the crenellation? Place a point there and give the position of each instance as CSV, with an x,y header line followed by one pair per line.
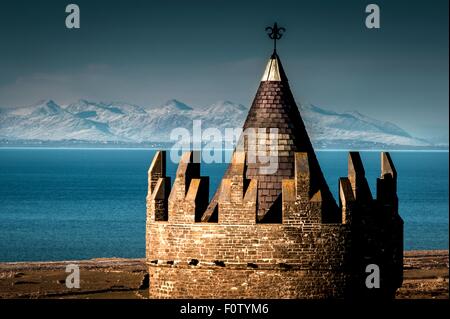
x,y
357,178
387,166
187,199
346,199
196,199
187,169
387,184
156,170
302,177
158,201
237,194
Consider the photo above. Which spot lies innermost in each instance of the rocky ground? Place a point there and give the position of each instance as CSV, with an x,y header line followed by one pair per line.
x,y
425,276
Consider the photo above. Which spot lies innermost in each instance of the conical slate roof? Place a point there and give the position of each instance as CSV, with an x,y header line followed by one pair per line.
x,y
274,107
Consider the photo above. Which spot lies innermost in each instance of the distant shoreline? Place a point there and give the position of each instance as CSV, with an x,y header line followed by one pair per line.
x,y
333,146
167,148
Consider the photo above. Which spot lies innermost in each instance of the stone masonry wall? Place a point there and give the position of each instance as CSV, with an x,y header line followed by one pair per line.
x,y
223,282
237,257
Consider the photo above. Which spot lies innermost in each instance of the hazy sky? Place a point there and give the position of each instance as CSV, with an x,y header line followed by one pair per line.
x,y
146,52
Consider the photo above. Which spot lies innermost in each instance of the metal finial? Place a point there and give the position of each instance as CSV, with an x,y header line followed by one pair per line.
x,y
275,33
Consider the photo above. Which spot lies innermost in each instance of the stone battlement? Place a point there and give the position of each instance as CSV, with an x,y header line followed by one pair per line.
x,y
187,200
272,235
300,245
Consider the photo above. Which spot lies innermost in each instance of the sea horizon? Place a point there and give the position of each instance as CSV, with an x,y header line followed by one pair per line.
x,y
226,149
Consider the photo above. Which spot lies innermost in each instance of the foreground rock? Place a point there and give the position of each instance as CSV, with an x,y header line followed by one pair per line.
x,y
99,278
425,276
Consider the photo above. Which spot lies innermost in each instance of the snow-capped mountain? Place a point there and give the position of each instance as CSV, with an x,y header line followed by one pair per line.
x,y
330,129
126,123
47,120
174,106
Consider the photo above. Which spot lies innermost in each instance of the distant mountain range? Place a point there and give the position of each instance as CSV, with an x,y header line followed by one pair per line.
x,y
89,122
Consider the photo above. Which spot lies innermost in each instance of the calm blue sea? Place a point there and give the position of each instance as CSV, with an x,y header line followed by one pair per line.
x,y
65,204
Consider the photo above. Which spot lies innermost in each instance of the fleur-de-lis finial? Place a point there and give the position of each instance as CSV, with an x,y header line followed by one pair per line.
x,y
275,33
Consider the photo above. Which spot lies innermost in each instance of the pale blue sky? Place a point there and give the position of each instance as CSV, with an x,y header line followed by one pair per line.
x,y
147,52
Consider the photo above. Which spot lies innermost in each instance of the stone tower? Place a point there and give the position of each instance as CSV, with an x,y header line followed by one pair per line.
x,y
272,235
